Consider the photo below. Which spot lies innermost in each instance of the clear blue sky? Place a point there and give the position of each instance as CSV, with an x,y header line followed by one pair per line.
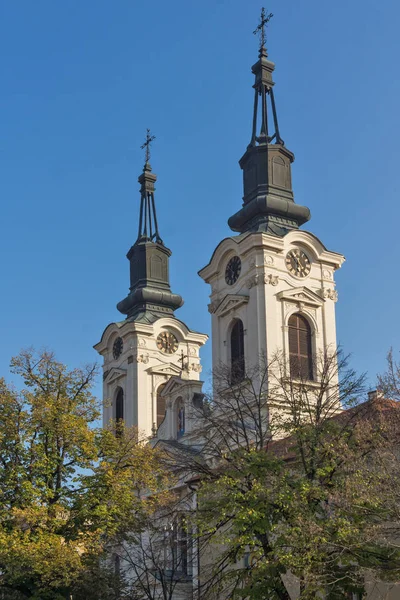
x,y
81,81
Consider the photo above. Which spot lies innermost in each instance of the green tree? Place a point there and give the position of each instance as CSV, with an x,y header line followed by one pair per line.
x,y
68,489
296,495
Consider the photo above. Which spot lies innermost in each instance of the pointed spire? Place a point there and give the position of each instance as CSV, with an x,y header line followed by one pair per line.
x,y
148,226
263,88
268,201
150,296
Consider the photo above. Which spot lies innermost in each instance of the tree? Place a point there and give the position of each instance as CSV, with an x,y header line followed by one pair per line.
x,y
296,494
68,488
389,381
159,557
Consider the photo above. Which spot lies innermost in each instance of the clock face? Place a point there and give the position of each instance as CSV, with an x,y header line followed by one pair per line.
x,y
298,263
232,270
118,347
167,342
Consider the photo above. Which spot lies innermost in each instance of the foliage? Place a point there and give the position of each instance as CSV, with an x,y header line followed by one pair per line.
x,y
68,488
296,493
389,381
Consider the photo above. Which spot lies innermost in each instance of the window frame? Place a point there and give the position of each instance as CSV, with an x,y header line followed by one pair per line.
x,y
301,364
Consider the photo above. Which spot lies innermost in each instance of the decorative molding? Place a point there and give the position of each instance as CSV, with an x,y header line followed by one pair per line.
x,y
159,378
192,351
273,279
268,259
212,307
288,307
141,343
144,358
301,295
229,303
196,368
329,293
165,370
326,274
114,374
262,278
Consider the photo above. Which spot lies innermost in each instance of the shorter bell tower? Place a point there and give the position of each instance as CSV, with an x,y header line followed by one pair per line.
x,y
143,352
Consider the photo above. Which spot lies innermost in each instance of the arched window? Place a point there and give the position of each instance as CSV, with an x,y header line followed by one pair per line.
x,y
180,417
119,410
300,348
160,405
237,352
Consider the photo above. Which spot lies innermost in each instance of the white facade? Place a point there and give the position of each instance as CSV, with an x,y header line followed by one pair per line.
x,y
266,294
141,367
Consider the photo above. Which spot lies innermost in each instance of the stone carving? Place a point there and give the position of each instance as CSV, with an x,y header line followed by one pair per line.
x,y
144,358
255,280
327,274
252,262
329,293
196,368
141,343
262,278
273,279
268,259
288,307
212,307
192,351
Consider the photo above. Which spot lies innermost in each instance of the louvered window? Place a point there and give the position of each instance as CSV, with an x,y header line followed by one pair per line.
x,y
180,417
237,352
119,412
300,348
160,405
119,405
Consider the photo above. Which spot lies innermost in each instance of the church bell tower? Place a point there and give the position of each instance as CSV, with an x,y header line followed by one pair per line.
x,y
144,351
272,284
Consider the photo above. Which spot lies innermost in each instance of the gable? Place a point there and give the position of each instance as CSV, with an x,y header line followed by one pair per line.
x,y
113,374
165,369
229,303
301,295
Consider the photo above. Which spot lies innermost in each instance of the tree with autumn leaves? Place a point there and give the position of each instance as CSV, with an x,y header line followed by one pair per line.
x,y
296,497
298,485
68,488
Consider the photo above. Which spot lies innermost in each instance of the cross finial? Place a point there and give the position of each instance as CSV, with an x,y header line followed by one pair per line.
x,y
265,19
182,360
149,139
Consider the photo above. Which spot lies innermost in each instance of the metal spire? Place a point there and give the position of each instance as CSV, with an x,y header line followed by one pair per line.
x,y
148,226
264,88
261,28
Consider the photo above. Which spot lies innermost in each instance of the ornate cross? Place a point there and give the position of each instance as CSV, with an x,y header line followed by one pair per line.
x,y
182,360
265,19
149,139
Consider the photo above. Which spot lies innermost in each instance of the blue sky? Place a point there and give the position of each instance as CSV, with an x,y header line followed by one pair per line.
x,y
81,81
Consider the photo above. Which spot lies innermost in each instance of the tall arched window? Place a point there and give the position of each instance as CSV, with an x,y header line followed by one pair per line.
x,y
180,417
237,352
119,410
161,408
300,348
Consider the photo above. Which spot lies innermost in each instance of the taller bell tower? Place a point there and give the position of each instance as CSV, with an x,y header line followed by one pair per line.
x,y
272,284
142,352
